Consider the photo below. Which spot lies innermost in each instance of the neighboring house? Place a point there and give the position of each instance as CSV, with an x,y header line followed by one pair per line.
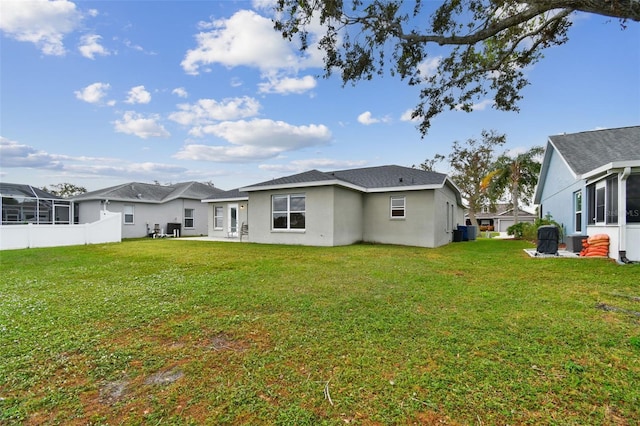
x,y
500,219
22,204
387,204
590,184
148,208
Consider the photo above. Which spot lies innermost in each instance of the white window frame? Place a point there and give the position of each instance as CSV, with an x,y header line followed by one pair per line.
x,y
218,217
288,212
397,207
608,190
128,210
578,207
191,217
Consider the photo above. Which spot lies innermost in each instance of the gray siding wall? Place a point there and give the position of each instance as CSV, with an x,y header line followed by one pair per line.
x,y
243,211
339,216
557,195
319,220
348,216
416,229
89,211
146,215
447,214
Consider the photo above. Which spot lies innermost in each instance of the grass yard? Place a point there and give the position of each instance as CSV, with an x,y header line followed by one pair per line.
x,y
190,332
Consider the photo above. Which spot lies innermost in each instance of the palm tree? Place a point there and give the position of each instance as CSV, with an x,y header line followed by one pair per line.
x,y
516,176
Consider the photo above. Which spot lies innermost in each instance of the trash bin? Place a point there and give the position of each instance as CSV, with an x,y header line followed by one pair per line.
x,y
457,236
465,232
472,231
548,236
172,227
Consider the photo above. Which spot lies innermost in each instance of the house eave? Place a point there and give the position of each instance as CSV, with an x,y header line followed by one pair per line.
x,y
302,185
342,184
607,168
225,200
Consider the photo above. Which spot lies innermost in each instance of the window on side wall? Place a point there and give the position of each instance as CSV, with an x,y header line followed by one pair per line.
x,y
217,217
612,200
577,209
398,210
128,214
633,199
288,211
189,220
602,199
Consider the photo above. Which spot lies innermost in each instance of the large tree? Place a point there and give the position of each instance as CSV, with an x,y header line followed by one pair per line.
x,y
64,190
488,43
514,177
469,164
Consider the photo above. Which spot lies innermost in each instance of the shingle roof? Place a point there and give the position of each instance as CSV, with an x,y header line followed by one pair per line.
x,y
21,190
389,176
234,194
305,177
152,193
586,151
368,178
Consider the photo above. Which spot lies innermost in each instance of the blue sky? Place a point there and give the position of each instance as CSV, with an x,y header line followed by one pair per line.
x,y
98,93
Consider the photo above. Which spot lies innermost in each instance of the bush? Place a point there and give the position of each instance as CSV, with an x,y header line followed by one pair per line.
x,y
518,230
529,231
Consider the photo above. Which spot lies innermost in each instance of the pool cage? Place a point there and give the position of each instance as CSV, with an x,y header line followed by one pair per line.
x,y
23,204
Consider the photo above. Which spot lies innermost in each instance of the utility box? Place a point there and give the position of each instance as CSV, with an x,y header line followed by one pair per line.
x,y
548,238
173,227
574,243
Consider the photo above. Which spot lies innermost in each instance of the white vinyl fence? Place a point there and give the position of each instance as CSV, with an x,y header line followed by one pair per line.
x,y
107,230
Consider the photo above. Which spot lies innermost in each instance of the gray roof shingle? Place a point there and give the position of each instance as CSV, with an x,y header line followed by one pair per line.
x,y
21,190
152,193
586,151
368,177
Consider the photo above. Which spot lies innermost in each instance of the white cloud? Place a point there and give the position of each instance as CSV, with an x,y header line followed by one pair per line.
x,y
480,106
233,42
264,4
256,139
90,46
264,132
180,92
209,111
93,93
226,154
14,154
41,22
138,95
288,85
144,127
429,66
406,116
367,119
17,155
298,166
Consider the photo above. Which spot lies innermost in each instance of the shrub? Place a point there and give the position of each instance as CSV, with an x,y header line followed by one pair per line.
x,y
529,231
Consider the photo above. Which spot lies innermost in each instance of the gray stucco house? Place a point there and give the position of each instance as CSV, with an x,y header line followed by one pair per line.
x,y
148,208
501,218
590,184
387,204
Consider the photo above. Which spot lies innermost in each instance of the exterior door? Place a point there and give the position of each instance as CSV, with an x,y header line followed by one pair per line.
x,y
233,220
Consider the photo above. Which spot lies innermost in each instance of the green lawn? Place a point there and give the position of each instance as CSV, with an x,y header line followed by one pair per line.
x,y
189,332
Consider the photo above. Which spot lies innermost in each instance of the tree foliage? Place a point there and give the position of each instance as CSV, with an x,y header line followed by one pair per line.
x,y
469,164
514,177
64,190
478,47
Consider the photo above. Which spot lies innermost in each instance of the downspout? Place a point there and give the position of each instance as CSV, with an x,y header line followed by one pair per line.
x,y
622,216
